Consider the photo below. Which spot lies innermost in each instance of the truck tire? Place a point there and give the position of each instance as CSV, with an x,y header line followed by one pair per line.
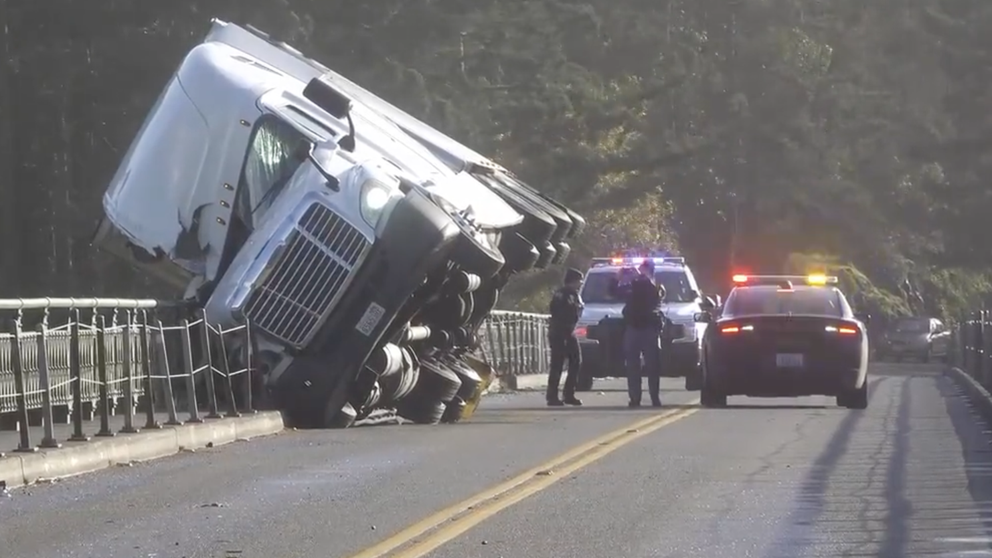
x,y
453,410
436,386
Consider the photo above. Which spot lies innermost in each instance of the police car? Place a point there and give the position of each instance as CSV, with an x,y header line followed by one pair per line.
x,y
601,354
785,336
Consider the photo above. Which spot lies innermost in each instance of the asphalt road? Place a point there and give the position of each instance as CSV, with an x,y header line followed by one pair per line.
x,y
911,476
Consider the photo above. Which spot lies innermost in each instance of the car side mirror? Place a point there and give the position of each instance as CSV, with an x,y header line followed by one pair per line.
x,y
702,317
863,318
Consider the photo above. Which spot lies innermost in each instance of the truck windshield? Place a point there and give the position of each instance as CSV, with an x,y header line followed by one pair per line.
x,y
596,289
273,157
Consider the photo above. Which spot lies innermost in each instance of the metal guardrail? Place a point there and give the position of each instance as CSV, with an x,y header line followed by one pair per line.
x,y
122,360
131,357
972,347
516,343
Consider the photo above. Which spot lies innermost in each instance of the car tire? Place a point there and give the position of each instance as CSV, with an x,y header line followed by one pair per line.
x,y
584,382
694,379
856,399
711,399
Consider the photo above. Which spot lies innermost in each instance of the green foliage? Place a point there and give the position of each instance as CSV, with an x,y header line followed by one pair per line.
x,y
754,134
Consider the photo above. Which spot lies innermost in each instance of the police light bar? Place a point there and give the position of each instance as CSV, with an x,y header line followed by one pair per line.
x,y
636,261
814,279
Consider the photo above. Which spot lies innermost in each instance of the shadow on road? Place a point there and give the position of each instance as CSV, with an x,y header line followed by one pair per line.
x,y
813,491
899,507
974,449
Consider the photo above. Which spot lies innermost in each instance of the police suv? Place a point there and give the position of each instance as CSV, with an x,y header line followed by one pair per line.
x,y
601,344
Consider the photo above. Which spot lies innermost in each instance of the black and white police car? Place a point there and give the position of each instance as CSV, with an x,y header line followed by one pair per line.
x,y
785,336
601,344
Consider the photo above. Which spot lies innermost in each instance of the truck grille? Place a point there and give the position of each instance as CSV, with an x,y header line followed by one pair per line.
x,y
308,277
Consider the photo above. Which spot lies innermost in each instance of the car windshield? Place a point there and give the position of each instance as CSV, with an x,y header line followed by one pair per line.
x,y
912,326
816,301
596,289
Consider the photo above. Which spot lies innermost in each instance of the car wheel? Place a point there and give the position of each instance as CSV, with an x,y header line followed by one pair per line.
x,y
584,382
694,379
711,399
856,399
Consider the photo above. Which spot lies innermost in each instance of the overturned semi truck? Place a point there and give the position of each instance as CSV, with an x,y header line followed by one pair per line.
x,y
364,248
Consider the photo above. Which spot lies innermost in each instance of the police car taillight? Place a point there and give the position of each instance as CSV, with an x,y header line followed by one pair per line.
x,y
581,331
842,330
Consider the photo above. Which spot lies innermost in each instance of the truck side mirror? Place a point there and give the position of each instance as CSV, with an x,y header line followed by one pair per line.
x,y
702,317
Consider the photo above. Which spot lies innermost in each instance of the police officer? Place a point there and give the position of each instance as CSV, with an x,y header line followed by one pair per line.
x,y
643,323
566,308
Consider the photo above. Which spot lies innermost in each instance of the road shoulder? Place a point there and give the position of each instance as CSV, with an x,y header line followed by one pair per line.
x,y
19,469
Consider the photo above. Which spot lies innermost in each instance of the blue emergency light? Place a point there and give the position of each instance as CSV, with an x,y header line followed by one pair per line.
x,y
634,261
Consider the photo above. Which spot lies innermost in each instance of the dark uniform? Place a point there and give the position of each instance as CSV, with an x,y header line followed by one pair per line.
x,y
566,308
643,324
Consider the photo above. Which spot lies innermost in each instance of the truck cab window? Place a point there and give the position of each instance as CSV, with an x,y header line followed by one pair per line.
x,y
270,162
272,158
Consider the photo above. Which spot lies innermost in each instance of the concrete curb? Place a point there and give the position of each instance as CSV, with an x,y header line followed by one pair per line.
x,y
86,457
518,383
976,393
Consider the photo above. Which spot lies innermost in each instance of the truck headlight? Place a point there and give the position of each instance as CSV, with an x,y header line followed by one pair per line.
x,y
377,196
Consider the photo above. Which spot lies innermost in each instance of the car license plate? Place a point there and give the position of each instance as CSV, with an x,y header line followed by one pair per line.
x,y
370,319
789,360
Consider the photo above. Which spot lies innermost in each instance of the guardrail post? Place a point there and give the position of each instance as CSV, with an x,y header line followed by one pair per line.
x,y
225,364
128,375
48,421
248,355
146,365
102,377
170,402
214,409
500,348
189,370
24,446
76,375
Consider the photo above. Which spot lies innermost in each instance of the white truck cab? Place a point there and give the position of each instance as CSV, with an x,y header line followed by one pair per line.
x,y
268,195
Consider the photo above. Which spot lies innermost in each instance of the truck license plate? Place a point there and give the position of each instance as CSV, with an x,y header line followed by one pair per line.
x,y
789,360
370,319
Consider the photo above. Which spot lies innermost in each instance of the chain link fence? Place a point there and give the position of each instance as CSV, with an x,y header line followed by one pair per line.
x,y
70,361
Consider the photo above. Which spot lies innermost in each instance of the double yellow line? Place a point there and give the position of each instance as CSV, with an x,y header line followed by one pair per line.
x,y
424,536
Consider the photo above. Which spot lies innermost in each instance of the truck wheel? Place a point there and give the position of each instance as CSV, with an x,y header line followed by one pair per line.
x,y
476,255
436,385
421,411
453,410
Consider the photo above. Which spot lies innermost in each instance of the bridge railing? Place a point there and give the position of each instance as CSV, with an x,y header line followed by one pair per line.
x,y
68,361
972,346
63,361
516,343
